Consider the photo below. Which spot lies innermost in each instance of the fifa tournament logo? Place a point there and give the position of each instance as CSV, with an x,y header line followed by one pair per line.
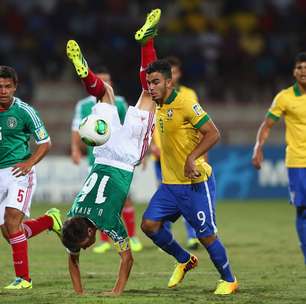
x,y
12,122
197,109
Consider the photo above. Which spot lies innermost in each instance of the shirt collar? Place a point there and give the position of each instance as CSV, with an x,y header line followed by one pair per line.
x,y
171,97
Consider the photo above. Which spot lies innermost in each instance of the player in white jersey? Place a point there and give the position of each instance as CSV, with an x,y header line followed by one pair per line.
x,y
99,204
18,122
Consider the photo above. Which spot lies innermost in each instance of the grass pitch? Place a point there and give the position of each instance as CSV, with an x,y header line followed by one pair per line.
x,y
260,239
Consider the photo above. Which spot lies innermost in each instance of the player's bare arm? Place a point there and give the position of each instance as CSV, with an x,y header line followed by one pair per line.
x,y
210,136
25,167
125,267
262,136
76,153
74,270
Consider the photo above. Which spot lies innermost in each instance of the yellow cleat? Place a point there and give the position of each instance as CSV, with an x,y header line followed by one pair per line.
x,y
180,270
102,248
19,283
135,244
149,29
225,288
75,55
55,214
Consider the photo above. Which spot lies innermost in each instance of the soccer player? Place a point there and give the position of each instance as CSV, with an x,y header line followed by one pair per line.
x,y
98,205
18,122
188,186
83,108
176,70
291,103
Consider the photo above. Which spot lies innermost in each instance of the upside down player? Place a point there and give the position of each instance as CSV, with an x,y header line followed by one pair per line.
x,y
18,123
188,186
82,109
99,204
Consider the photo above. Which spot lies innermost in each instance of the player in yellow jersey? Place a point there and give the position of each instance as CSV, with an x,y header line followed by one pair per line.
x,y
176,70
291,103
188,185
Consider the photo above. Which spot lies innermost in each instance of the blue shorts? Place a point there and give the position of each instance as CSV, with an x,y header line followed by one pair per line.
x,y
196,202
297,186
157,169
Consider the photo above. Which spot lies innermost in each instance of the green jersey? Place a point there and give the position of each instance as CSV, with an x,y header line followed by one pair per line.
x,y
83,109
102,198
17,125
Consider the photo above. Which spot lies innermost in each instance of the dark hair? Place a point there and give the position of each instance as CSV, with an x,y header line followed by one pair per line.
x,y
300,57
162,66
74,231
174,61
100,69
8,72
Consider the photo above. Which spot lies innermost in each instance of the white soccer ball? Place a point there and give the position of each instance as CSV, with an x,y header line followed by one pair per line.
x,y
94,131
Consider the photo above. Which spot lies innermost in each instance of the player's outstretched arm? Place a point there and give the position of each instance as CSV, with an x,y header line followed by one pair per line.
x,y
262,135
75,275
125,267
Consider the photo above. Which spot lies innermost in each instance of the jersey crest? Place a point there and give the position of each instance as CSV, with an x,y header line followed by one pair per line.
x,y
11,122
169,114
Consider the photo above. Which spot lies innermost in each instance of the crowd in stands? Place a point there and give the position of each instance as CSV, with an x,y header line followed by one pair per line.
x,y
231,50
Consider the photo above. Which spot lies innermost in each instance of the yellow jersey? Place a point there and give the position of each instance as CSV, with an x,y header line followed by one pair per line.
x,y
177,122
292,105
186,93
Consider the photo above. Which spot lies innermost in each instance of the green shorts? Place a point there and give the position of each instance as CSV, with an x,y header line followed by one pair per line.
x,y
102,198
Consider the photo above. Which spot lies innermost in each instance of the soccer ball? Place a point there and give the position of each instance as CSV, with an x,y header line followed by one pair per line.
x,y
94,131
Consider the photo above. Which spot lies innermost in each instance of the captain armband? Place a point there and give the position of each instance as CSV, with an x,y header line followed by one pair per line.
x,y
122,245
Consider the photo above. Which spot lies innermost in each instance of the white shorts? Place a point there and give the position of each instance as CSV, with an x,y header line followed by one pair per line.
x,y
129,142
16,192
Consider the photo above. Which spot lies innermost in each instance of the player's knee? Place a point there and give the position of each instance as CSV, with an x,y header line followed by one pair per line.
x,y
149,227
208,240
12,220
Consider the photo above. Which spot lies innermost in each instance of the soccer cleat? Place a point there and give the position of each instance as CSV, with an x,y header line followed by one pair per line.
x,y
75,55
225,288
193,244
101,248
55,214
181,269
135,244
149,29
19,283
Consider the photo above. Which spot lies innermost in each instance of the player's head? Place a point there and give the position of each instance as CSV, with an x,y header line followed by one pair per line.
x,y
103,73
176,69
299,71
78,232
159,78
8,83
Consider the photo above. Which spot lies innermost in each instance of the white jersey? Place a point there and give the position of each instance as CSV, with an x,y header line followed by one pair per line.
x,y
128,142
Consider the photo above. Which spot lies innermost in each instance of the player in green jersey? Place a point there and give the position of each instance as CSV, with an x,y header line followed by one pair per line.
x,y
99,204
83,108
18,123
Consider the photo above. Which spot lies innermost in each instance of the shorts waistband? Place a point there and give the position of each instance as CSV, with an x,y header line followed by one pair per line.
x,y
114,163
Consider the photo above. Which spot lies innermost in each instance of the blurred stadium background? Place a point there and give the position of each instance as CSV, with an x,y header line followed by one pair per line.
x,y
235,54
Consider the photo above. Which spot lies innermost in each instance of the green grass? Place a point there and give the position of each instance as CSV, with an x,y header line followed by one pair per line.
x,y
261,242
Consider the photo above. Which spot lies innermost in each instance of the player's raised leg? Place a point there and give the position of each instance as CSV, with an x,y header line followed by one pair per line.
x,y
93,84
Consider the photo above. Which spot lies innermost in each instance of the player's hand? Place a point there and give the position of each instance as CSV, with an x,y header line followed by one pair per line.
x,y
76,156
155,151
257,158
190,169
21,169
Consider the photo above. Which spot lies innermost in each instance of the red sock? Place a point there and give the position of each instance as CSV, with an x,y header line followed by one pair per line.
x,y
94,85
104,237
148,55
33,227
19,245
128,215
